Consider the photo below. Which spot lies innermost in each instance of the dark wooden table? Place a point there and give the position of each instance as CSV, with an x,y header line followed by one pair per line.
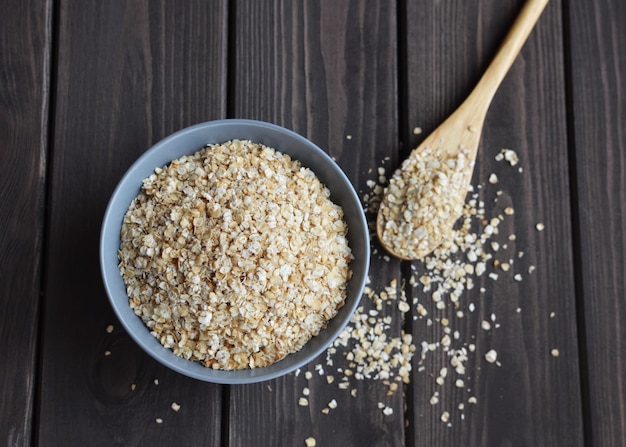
x,y
87,86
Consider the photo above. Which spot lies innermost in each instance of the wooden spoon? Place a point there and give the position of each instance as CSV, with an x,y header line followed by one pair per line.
x,y
422,202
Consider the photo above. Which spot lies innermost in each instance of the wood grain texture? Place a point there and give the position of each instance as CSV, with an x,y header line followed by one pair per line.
x,y
102,81
531,398
129,73
597,67
326,70
25,48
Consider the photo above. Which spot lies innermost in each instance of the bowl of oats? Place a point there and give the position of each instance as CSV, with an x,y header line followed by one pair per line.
x,y
234,251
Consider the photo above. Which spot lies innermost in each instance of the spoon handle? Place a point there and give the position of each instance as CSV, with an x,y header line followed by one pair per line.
x,y
480,98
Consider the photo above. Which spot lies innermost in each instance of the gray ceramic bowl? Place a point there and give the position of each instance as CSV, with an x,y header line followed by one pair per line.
x,y
188,141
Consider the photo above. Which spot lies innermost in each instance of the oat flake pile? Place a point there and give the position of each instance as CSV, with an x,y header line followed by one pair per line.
x,y
234,256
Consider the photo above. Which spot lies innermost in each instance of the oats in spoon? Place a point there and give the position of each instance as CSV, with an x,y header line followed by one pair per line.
x,y
422,201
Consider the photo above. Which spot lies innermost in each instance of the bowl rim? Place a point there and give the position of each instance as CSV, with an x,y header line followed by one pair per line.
x,y
165,356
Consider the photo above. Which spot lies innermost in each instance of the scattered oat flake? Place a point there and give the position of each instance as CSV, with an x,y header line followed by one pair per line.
x,y
156,381
175,407
158,420
554,352
133,386
417,130
434,399
491,356
493,179
387,411
310,442
540,226
510,156
403,306
109,328
303,402
445,416
348,137
332,404
107,353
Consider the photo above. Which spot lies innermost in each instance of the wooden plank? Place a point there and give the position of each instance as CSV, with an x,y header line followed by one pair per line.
x,y
328,71
597,67
530,397
129,73
25,48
